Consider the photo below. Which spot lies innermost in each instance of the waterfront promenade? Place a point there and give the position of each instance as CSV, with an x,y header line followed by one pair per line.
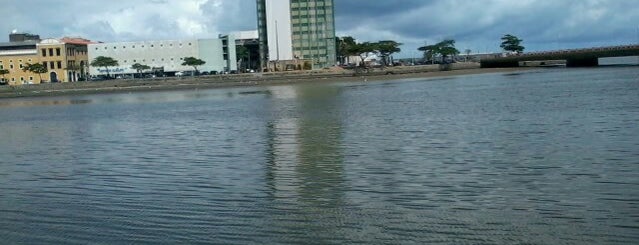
x,y
240,80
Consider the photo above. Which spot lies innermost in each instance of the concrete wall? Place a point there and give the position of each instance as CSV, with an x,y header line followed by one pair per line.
x,y
167,53
278,21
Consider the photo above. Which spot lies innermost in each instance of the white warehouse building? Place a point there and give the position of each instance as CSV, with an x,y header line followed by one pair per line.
x,y
167,55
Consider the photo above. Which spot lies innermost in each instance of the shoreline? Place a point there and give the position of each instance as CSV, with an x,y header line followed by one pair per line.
x,y
241,80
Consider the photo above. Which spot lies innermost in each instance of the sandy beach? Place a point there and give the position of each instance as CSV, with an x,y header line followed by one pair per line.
x,y
241,80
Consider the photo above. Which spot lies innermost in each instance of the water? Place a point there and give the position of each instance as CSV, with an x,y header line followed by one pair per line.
x,y
536,157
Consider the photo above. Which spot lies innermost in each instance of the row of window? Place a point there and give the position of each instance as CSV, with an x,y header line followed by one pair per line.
x,y
11,61
50,65
152,60
57,52
141,46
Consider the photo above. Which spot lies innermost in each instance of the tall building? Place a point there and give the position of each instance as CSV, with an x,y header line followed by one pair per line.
x,y
297,29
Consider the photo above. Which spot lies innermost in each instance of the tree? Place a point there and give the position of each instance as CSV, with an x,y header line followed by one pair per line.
x,y
444,48
242,54
194,62
467,52
106,62
2,73
36,68
363,50
386,49
511,43
429,52
345,47
140,67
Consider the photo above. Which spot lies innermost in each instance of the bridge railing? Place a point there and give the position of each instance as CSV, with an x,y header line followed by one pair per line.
x,y
564,51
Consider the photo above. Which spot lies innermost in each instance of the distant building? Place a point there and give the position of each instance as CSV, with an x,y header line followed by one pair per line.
x,y
297,29
166,56
65,59
249,41
21,37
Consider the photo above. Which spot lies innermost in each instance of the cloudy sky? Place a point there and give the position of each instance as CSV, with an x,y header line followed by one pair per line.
x,y
475,24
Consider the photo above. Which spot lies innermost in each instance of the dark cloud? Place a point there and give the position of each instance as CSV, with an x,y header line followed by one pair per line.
x,y
476,25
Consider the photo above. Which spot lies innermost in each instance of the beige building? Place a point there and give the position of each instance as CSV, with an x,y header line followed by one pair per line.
x,y
66,60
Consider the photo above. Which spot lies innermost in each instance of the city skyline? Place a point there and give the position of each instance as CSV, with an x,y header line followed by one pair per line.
x,y
477,25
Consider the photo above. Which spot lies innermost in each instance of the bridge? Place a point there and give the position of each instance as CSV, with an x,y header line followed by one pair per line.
x,y
573,57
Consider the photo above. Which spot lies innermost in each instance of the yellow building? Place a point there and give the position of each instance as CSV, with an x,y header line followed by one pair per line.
x,y
66,60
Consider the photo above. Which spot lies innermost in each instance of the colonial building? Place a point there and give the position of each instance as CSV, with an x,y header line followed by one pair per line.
x,y
297,29
65,59
166,55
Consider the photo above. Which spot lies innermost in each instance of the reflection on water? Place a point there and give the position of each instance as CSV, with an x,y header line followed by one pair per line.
x,y
544,157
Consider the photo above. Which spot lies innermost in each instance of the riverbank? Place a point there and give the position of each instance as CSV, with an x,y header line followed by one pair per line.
x,y
243,80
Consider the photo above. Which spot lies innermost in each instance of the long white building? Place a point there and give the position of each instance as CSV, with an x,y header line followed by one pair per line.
x,y
167,55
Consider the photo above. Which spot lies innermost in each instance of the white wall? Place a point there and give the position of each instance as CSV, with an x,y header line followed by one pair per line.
x,y
167,54
278,21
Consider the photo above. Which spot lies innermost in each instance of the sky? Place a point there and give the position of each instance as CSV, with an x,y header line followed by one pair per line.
x,y
474,24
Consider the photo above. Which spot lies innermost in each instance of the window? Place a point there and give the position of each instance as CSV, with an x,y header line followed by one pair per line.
x,y
96,48
21,78
30,78
133,46
105,48
50,52
59,64
114,47
123,47
51,65
57,51
44,64
29,60
44,52
189,44
1,67
21,66
134,61
11,66
13,79
151,45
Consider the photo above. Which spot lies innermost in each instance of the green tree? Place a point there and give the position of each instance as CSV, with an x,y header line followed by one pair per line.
x,y
511,43
386,49
444,48
105,62
193,62
3,72
363,50
345,46
139,68
36,68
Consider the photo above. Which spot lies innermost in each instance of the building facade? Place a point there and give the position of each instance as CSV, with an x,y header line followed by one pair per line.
x,y
297,29
66,60
166,56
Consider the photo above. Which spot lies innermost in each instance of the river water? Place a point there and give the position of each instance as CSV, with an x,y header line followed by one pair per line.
x,y
532,157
